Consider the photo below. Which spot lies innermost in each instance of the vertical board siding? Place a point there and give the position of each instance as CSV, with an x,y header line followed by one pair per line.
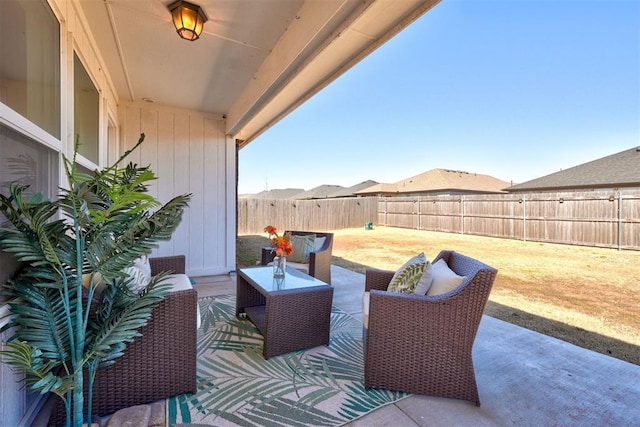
x,y
188,153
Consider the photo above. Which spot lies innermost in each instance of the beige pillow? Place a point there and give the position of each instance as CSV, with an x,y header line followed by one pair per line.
x,y
425,282
302,247
444,279
407,277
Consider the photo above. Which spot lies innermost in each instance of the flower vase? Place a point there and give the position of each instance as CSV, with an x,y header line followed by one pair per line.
x,y
279,266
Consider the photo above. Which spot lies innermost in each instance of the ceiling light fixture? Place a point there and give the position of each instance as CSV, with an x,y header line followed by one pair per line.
x,y
188,19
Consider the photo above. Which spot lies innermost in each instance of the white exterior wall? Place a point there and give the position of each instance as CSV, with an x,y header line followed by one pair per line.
x,y
189,153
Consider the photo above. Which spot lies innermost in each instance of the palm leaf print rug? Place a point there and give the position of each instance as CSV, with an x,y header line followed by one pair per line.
x,y
320,386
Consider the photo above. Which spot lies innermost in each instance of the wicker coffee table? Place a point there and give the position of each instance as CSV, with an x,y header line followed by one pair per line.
x,y
291,313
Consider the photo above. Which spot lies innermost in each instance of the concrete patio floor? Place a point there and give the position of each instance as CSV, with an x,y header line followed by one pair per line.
x,y
524,378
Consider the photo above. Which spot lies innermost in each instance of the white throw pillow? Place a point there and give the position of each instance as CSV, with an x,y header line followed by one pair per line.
x,y
444,279
319,243
144,266
425,282
407,277
140,274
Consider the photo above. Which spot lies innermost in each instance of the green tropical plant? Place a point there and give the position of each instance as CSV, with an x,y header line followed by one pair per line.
x,y
98,226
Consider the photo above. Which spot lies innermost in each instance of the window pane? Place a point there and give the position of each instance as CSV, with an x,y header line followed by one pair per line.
x,y
85,111
26,162
30,62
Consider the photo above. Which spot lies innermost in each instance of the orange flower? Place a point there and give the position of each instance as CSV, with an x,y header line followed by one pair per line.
x,y
281,245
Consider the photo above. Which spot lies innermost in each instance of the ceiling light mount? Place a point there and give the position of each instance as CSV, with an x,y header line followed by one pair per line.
x,y
188,19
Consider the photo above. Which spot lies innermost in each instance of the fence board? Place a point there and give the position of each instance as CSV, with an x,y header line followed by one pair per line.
x,y
590,218
316,215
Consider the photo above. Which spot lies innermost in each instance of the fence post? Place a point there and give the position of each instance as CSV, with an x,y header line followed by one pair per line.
x,y
619,219
419,216
461,202
524,217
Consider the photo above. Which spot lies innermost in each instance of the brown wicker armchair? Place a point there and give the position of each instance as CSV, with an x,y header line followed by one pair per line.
x,y
159,364
422,344
319,260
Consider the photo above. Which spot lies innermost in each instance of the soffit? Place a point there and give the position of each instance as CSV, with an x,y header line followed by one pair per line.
x,y
256,60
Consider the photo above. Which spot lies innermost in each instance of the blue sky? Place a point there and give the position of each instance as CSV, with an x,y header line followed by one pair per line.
x,y
514,89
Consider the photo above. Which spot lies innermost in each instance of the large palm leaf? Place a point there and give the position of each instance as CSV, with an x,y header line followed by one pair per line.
x,y
111,221
121,322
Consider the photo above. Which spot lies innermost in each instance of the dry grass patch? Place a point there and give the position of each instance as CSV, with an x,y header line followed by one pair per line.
x,y
587,296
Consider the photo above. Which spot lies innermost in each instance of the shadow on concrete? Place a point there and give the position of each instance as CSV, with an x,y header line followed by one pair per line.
x,y
572,334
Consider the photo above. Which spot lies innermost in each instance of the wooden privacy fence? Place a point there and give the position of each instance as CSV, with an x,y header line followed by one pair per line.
x,y
316,215
595,218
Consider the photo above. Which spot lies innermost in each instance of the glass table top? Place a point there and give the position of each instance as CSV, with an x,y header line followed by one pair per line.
x,y
293,279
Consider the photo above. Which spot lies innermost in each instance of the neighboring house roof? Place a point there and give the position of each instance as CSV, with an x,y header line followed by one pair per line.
x,y
351,191
441,181
320,192
617,170
286,193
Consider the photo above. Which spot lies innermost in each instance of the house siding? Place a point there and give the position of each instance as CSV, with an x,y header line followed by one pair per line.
x,y
190,153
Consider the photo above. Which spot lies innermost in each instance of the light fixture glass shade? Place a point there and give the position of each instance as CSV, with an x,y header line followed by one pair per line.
x,y
188,19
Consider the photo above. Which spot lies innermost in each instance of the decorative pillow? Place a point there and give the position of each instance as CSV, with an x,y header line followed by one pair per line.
x,y
425,281
407,277
144,266
444,279
318,244
140,274
302,247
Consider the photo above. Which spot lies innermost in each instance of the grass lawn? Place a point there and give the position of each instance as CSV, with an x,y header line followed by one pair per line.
x,y
587,296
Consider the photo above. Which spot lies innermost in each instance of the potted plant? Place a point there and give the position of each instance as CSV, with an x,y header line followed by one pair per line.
x,y
97,228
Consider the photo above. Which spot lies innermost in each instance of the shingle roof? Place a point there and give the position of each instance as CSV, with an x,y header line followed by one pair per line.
x,y
617,170
351,191
442,180
286,193
319,192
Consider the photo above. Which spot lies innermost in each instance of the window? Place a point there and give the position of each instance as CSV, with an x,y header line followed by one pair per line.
x,y
86,111
30,62
26,162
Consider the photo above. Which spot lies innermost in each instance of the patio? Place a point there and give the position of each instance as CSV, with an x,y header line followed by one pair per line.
x,y
524,378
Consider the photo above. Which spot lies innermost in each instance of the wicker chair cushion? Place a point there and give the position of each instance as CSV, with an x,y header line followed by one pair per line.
x,y
181,282
407,276
425,282
302,246
444,279
365,309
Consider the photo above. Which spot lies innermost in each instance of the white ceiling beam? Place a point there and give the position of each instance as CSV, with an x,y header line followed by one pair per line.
x,y
370,25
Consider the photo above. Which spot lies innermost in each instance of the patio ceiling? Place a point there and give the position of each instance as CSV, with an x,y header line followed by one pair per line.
x,y
256,60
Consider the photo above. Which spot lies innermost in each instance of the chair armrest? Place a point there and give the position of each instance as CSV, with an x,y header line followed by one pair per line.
x,y
267,256
377,279
320,265
174,264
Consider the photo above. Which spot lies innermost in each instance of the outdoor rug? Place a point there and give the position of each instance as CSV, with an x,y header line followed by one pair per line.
x,y
321,386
